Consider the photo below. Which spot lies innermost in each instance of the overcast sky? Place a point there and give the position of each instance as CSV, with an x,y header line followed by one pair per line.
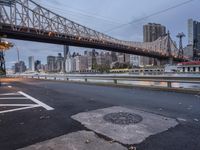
x,y
106,15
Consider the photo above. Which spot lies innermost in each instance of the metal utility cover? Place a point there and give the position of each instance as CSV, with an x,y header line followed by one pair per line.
x,y
130,133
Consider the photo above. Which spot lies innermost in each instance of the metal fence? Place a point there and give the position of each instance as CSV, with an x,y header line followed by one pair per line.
x,y
157,81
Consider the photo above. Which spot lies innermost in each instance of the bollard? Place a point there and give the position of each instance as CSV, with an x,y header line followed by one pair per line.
x,y
169,84
85,79
115,81
67,79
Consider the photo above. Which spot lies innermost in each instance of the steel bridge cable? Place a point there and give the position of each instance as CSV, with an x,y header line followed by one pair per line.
x,y
151,15
108,20
77,17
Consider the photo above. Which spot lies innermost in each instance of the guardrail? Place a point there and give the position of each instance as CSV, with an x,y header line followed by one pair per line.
x,y
161,81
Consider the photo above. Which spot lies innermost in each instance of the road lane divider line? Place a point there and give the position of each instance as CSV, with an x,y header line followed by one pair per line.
x,y
2,98
36,101
9,94
18,105
17,109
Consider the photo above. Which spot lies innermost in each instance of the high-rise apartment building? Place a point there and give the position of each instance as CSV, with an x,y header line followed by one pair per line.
x,y
20,67
51,63
153,31
60,63
81,63
31,63
134,61
194,33
66,51
37,65
65,54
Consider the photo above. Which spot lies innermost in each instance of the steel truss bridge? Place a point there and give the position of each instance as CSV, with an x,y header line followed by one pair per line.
x,y
27,20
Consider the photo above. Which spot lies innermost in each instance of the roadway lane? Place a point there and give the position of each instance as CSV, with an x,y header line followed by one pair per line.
x,y
25,127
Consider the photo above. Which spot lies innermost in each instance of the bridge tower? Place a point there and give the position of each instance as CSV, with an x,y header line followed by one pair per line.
x,y
180,36
169,50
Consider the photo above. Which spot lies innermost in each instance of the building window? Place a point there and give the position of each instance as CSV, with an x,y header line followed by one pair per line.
x,y
194,69
188,69
183,69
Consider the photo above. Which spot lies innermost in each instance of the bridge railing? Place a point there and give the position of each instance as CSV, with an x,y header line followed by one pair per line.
x,y
151,81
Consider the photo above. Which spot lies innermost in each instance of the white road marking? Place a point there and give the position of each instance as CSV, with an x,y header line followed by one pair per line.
x,y
22,106
181,119
36,101
17,109
13,98
7,94
4,83
9,86
18,105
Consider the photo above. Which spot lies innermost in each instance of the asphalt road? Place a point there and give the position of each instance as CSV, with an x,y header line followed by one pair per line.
x,y
19,129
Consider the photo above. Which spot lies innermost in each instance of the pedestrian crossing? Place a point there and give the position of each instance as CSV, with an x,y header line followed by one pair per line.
x,y
17,101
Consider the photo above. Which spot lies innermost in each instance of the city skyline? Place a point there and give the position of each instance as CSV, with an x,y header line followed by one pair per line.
x,y
40,51
109,75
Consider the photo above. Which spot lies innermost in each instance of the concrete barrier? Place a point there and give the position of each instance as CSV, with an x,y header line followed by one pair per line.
x,y
169,81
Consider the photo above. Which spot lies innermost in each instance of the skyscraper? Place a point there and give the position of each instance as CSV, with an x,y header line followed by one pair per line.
x,y
60,67
37,65
194,33
65,54
20,67
31,63
153,31
66,51
51,63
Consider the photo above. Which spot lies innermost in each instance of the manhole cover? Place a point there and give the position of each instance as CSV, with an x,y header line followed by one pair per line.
x,y
123,118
